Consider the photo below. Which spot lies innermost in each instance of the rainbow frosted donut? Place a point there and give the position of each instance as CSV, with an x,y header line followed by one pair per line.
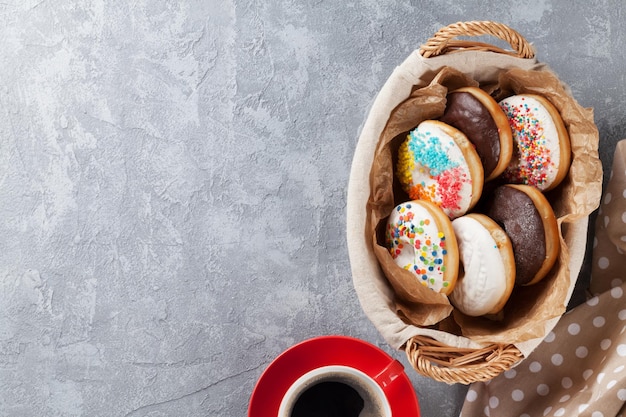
x,y
437,163
420,239
541,146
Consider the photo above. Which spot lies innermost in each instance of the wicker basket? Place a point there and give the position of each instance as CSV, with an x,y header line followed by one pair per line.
x,y
428,356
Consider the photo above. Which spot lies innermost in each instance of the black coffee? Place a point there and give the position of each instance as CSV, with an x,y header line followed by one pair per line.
x,y
328,399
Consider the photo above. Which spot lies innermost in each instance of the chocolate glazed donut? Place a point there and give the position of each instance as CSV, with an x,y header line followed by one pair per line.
x,y
480,118
467,114
528,220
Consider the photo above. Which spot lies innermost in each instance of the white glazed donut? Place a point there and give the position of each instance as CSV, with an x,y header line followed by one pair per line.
x,y
420,239
541,146
487,274
437,163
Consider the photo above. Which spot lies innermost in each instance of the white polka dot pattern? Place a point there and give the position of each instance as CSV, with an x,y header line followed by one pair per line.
x,y
510,373
609,243
543,389
557,359
494,402
471,395
580,367
534,367
598,321
567,382
582,352
573,329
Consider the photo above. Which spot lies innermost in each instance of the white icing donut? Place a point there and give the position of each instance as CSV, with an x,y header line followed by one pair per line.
x,y
422,241
437,163
541,150
486,283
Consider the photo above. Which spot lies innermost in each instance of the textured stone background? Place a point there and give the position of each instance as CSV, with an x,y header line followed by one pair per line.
x,y
173,184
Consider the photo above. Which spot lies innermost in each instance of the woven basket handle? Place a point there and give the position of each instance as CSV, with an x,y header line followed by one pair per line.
x,y
443,41
459,365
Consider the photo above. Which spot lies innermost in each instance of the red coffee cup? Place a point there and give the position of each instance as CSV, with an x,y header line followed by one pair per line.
x,y
378,379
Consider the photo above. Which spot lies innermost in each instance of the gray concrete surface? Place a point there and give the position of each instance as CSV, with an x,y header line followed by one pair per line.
x,y
173,185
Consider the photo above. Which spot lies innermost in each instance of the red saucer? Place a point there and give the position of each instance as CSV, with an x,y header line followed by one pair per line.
x,y
325,351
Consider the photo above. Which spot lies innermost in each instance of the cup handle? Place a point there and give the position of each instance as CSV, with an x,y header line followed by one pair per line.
x,y
389,374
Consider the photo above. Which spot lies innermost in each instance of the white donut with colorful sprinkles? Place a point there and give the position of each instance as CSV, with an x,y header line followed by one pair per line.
x,y
420,239
541,146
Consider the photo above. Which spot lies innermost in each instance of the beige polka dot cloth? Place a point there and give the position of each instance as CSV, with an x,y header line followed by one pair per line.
x,y
580,367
